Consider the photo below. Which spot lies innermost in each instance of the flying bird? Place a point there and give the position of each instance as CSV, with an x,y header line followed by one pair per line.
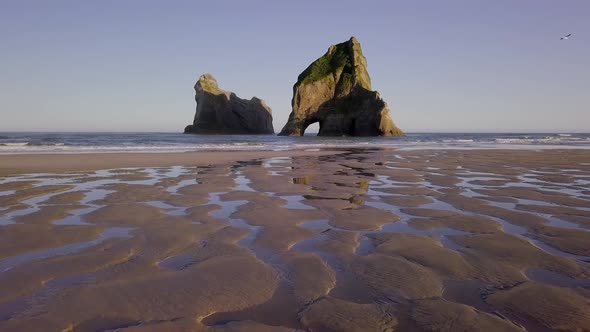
x,y
566,36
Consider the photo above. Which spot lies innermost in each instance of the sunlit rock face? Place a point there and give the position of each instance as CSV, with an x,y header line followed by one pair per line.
x,y
222,112
335,90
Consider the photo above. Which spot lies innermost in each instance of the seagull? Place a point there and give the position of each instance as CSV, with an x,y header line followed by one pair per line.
x,y
566,36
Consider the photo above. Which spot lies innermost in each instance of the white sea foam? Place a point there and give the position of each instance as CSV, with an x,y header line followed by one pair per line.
x,y
55,143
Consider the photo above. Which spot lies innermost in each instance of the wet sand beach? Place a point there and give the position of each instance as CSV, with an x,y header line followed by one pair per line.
x,y
348,240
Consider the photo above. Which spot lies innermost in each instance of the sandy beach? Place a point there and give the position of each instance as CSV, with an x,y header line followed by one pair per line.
x,y
350,240
43,163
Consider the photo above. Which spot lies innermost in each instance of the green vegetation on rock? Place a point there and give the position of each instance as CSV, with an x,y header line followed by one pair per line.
x,y
335,61
209,84
345,84
341,59
335,90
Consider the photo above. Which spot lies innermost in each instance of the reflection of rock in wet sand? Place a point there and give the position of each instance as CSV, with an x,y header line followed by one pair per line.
x,y
356,241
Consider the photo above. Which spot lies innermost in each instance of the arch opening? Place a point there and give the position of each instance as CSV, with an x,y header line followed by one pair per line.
x,y
311,128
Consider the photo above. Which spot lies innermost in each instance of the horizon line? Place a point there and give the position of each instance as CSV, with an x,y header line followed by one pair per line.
x,y
314,132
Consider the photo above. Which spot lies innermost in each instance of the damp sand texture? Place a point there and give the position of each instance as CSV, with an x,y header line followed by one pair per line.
x,y
356,240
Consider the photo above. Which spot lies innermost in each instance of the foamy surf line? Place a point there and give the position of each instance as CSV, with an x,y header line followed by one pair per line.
x,y
171,149
72,143
306,147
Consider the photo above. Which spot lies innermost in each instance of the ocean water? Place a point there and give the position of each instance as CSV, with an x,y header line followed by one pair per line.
x,y
18,143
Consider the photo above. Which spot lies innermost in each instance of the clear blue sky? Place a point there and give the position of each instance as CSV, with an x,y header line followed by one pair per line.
x,y
123,65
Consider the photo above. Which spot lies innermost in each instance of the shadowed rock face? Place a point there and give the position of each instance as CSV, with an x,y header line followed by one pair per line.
x,y
335,90
222,112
